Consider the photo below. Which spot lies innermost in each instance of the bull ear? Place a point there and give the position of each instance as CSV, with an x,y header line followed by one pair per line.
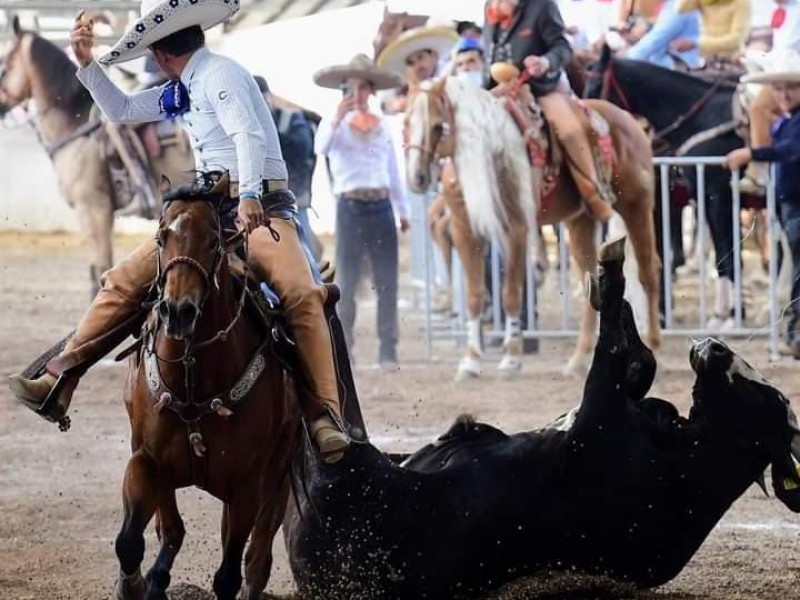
x,y
15,26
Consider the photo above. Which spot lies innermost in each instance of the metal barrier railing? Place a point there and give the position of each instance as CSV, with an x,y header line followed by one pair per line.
x,y
455,328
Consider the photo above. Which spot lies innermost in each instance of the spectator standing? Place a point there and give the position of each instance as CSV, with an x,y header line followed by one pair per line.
x,y
369,194
784,151
656,46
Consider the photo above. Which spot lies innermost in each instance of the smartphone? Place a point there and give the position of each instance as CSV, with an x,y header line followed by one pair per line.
x,y
347,90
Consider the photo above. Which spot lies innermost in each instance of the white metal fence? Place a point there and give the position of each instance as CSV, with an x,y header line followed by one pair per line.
x,y
453,328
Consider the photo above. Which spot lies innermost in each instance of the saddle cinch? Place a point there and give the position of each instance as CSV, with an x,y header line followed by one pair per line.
x,y
544,150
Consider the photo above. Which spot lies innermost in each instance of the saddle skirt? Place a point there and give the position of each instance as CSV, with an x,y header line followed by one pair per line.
x,y
546,153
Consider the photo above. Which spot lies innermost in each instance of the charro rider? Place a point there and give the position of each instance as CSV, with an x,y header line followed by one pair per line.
x,y
230,127
530,35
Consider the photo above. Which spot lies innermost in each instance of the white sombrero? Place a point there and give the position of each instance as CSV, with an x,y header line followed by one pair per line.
x,y
783,67
361,67
161,18
438,38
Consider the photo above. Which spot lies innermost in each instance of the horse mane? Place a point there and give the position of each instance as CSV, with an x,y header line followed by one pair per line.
x,y
57,75
202,190
490,159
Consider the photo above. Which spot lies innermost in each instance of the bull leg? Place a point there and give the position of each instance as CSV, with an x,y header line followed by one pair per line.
x,y
515,255
139,494
238,517
171,533
583,248
470,250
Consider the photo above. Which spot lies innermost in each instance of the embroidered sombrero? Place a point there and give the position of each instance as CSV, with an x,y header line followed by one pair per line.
x,y
361,67
161,18
438,38
783,67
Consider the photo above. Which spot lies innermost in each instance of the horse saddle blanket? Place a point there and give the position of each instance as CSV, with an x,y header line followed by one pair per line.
x,y
544,150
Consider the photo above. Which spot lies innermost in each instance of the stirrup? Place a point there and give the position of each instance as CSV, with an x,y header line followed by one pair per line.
x,y
50,408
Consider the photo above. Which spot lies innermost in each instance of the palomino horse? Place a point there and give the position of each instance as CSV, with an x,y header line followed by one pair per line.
x,y
209,406
34,68
493,198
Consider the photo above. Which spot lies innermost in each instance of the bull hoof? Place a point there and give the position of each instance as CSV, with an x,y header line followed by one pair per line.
x,y
592,289
510,367
577,365
130,587
468,368
613,251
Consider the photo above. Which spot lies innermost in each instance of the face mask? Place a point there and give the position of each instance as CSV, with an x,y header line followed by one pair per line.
x,y
472,77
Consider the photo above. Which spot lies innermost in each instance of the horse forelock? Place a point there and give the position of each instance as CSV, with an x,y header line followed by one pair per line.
x,y
491,161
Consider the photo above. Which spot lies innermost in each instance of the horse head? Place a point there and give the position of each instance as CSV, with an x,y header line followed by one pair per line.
x,y
737,401
16,80
428,132
191,249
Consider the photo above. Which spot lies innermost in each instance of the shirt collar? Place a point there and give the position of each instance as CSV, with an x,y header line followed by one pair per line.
x,y
191,66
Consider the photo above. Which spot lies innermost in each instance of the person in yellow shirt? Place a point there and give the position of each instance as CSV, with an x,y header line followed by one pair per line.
x,y
724,27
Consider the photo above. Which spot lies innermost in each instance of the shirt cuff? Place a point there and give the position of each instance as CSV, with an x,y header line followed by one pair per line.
x,y
763,154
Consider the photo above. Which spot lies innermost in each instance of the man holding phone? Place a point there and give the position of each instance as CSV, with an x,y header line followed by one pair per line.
x,y
369,194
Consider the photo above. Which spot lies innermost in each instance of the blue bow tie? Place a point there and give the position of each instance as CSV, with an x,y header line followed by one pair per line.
x,y
174,99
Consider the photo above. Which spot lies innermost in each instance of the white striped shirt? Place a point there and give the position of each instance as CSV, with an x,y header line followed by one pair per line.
x,y
229,124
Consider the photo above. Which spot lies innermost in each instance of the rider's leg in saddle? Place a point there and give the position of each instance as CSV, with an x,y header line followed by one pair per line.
x,y
108,321
571,132
763,113
285,266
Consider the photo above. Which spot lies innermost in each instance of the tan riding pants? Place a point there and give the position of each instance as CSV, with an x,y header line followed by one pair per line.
x,y
763,113
282,263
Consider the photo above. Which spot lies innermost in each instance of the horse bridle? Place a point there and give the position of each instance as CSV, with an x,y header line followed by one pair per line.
x,y
448,128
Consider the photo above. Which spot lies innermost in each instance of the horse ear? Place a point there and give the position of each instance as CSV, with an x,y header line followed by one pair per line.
x,y
15,26
438,85
222,187
605,55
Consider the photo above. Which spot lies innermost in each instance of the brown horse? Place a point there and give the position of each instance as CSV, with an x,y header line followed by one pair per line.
x,y
208,406
495,190
36,69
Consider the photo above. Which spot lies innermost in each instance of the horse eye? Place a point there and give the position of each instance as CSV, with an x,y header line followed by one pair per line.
x,y
160,235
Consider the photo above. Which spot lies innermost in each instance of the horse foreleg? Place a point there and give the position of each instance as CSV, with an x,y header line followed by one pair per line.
x,y
583,248
171,533
515,255
139,494
641,231
258,559
96,218
238,517
470,250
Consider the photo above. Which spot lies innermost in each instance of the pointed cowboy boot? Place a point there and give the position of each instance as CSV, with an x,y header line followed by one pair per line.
x,y
47,386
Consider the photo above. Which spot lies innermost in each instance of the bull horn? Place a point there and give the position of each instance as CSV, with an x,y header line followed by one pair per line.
x,y
762,484
796,446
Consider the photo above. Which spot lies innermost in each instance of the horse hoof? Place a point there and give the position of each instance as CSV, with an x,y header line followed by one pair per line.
x,y
130,587
509,367
613,250
578,365
468,368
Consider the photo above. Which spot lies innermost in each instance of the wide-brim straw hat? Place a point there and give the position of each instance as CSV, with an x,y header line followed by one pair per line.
x,y
784,67
438,38
162,18
360,67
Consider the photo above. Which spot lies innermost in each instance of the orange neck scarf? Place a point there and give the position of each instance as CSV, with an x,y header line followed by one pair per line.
x,y
364,122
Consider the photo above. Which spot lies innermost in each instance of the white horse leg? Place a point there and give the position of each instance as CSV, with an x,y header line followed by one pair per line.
x,y
511,363
470,365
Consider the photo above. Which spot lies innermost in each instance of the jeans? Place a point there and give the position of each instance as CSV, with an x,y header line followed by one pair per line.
x,y
367,229
789,215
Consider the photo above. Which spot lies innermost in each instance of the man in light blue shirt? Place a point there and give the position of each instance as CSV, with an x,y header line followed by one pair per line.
x,y
657,45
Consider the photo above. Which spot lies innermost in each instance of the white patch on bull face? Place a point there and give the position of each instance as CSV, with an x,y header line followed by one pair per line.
x,y
179,224
740,367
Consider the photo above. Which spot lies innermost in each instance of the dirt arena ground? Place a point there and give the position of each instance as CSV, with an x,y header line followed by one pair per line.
x,y
60,503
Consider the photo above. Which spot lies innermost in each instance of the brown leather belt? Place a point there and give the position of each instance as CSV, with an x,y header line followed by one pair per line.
x,y
267,186
366,194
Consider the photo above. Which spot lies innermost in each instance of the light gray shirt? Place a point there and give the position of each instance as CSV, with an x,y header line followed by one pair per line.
x,y
229,124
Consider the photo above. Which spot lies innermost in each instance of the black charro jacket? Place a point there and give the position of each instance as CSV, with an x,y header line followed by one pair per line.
x,y
537,29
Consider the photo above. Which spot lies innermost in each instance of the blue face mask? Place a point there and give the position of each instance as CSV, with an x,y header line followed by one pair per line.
x,y
174,99
472,77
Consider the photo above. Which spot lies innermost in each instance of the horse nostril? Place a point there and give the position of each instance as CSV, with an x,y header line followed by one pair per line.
x,y
186,316
163,310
